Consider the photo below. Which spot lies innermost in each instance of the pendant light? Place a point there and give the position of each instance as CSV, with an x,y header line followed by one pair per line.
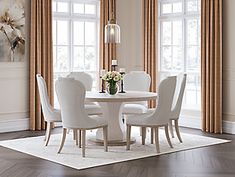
x,y
112,29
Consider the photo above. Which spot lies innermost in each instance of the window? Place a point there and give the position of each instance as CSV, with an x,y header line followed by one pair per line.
x,y
75,37
179,45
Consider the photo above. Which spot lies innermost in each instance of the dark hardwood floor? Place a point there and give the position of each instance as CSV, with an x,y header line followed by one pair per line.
x,y
212,161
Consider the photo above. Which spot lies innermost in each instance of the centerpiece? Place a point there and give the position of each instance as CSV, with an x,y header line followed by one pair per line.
x,y
112,78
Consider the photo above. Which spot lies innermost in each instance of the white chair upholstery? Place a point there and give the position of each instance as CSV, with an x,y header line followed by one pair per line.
x,y
50,114
71,96
177,104
160,117
136,81
91,107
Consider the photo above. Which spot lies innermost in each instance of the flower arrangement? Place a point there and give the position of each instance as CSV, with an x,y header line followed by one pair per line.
x,y
112,77
12,27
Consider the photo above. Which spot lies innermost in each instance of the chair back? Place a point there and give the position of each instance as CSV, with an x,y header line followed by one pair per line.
x,y
178,96
45,103
166,91
71,96
83,77
137,81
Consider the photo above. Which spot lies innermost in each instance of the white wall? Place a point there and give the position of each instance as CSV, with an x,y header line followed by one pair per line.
x,y
129,51
229,60
14,92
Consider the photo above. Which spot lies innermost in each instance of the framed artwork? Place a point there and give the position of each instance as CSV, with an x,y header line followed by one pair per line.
x,y
12,30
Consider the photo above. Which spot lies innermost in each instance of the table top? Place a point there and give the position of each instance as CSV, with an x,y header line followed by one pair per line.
x,y
129,96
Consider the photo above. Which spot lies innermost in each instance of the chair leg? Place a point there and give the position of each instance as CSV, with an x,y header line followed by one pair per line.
x,y
157,140
80,138
143,129
152,135
76,136
63,140
128,137
167,136
171,129
48,132
105,133
83,142
177,130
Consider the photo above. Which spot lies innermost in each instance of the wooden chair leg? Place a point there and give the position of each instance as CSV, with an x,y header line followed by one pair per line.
x,y
167,136
83,142
177,130
63,140
80,138
143,135
128,137
157,140
152,135
105,133
171,129
76,136
48,132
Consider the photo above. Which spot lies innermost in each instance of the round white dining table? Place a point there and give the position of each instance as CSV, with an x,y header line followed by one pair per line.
x,y
112,112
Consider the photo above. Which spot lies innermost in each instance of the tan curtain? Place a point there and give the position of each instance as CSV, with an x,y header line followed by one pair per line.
x,y
107,51
211,65
40,60
150,42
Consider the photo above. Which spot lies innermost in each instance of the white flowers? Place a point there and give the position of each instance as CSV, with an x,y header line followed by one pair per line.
x,y
112,76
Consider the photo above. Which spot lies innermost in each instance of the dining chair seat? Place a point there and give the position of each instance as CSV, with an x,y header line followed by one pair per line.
x,y
134,109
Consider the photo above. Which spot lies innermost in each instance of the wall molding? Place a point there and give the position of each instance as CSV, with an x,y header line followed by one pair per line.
x,y
13,125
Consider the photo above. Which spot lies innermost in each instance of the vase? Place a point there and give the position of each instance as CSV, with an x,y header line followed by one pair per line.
x,y
112,88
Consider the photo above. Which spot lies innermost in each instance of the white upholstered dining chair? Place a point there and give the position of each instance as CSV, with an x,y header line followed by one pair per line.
x,y
136,81
160,117
177,104
50,114
71,96
91,107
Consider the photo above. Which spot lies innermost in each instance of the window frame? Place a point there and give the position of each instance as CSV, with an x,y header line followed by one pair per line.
x,y
183,17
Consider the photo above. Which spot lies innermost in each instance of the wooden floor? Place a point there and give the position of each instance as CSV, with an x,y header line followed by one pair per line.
x,y
212,161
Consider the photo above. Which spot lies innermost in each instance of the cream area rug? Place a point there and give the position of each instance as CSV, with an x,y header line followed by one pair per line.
x,y
95,155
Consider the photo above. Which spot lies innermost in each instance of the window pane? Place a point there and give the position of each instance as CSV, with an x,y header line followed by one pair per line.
x,y
78,8
54,32
62,28
90,33
90,9
90,59
192,5
192,59
192,32
78,57
62,62
62,7
177,64
78,33
177,36
167,8
166,32
166,58
177,7
54,6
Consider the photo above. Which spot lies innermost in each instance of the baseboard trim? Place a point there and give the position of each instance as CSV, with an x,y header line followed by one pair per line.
x,y
14,125
228,127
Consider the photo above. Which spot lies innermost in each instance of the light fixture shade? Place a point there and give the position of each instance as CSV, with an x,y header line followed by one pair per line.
x,y
112,33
